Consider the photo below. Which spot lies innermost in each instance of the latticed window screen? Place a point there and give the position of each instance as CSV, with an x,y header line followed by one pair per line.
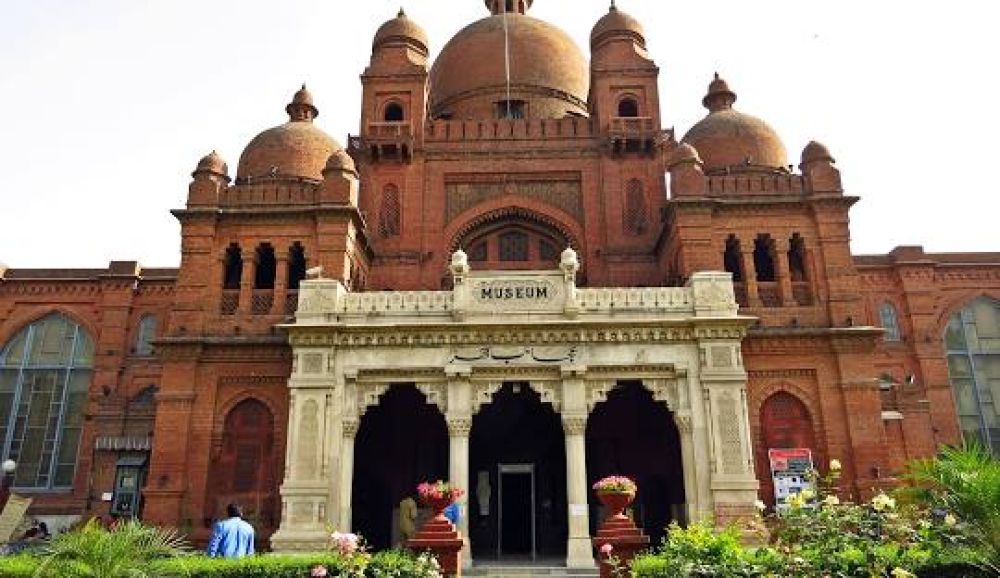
x,y
144,335
514,246
890,321
972,340
636,215
45,373
389,212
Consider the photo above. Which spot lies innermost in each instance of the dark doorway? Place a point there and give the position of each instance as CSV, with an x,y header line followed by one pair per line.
x,y
521,439
401,442
517,508
632,435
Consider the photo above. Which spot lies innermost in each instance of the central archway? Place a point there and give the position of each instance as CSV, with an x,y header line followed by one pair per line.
x,y
631,434
401,442
517,501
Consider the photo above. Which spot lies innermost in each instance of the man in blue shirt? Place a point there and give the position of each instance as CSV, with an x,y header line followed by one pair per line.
x,y
232,538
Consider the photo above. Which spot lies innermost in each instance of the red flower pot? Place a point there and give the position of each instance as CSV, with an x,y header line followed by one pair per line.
x,y
615,502
438,505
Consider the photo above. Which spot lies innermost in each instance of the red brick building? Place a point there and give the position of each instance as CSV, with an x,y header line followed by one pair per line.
x,y
511,146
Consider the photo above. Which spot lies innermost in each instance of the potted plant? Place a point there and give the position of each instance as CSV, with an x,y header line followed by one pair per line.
x,y
616,493
438,495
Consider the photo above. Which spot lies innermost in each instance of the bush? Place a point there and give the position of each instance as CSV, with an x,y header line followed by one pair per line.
x,y
20,566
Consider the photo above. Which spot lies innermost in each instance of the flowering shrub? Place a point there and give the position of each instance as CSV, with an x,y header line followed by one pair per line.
x,y
439,491
345,544
615,485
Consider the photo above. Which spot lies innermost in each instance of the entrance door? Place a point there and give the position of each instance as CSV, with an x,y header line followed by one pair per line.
x,y
517,511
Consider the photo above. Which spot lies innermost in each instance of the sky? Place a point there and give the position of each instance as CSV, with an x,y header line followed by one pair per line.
x,y
107,105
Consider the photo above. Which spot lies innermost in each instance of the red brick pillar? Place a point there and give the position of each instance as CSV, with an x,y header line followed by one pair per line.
x,y
439,537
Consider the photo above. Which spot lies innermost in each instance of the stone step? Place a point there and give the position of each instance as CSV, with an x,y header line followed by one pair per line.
x,y
528,571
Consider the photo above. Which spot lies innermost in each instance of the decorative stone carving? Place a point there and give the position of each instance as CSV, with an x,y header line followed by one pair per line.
x,y
436,394
312,363
728,423
370,396
684,422
459,426
350,428
308,438
575,425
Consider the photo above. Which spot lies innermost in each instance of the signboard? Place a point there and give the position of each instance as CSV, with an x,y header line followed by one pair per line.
x,y
789,471
12,515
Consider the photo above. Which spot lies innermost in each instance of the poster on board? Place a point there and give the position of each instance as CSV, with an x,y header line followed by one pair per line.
x,y
789,471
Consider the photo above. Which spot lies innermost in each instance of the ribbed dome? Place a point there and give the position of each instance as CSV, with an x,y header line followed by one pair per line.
x,y
547,68
295,149
212,163
401,30
616,24
728,140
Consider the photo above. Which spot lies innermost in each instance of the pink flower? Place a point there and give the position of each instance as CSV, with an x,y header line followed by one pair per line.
x,y
607,549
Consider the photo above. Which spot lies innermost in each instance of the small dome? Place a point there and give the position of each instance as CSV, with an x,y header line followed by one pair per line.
x,y
212,163
296,149
814,152
684,153
616,24
729,140
401,30
547,69
340,161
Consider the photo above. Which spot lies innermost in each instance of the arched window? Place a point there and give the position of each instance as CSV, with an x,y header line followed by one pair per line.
x,y
628,107
890,321
145,334
296,266
233,276
763,258
393,112
45,373
636,215
972,342
266,267
389,211
514,246
732,259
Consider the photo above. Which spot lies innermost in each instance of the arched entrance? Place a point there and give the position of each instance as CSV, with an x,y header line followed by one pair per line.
x,y
631,434
517,502
244,471
401,442
785,424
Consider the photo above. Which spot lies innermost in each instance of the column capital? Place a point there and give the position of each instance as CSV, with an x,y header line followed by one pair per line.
x,y
350,428
684,423
575,424
459,426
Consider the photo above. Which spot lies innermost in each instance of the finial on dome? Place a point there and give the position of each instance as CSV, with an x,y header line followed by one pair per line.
x,y
401,13
719,96
613,7
302,108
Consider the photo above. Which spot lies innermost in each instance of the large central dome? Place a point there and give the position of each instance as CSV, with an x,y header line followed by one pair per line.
x,y
548,72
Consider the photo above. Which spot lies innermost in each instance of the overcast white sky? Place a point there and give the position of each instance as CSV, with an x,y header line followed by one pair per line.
x,y
106,105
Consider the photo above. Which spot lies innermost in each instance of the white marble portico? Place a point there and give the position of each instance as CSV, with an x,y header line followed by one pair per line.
x,y
571,345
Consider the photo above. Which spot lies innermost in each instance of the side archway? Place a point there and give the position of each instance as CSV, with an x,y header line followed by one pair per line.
x,y
633,434
401,442
785,423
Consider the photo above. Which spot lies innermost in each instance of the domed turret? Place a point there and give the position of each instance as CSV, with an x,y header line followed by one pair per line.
x,y
211,163
403,32
728,140
340,161
816,152
296,149
616,25
549,76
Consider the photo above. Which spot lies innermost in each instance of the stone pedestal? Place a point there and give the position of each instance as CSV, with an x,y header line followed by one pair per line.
x,y
625,538
439,537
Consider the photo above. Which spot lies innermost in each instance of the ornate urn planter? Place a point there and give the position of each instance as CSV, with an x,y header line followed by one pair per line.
x,y
618,540
438,535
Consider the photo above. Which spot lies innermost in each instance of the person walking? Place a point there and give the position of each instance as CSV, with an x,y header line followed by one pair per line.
x,y
233,537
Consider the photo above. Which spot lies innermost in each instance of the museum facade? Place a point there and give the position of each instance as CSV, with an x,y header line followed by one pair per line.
x,y
513,277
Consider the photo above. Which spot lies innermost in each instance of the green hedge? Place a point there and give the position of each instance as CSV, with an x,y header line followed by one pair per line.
x,y
382,565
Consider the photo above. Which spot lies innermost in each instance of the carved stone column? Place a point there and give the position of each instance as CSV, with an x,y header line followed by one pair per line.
x,y
685,428
280,286
784,275
458,473
350,431
578,549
